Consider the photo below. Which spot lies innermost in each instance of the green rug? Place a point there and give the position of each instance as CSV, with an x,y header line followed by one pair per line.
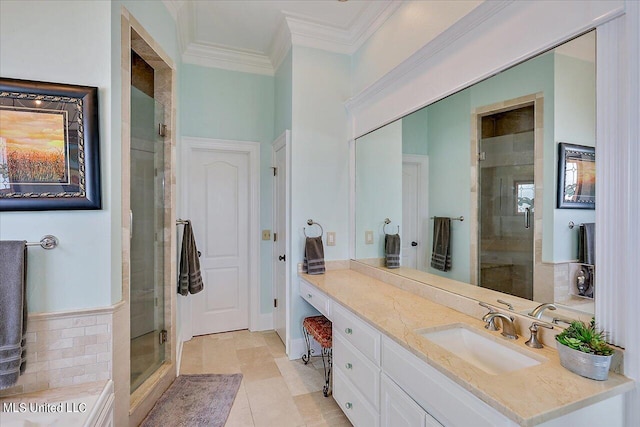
x,y
195,401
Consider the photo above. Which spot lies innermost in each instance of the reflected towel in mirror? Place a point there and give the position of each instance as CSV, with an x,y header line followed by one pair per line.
x,y
441,254
392,250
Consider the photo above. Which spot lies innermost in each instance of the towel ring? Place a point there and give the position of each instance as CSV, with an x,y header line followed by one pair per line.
x,y
312,222
387,221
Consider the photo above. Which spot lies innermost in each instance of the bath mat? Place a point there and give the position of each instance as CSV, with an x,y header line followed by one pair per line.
x,y
195,401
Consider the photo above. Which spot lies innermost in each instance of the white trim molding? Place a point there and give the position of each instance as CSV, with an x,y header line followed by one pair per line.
x,y
617,226
253,150
215,56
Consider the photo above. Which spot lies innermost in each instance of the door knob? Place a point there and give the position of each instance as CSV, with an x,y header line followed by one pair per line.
x,y
282,258
414,243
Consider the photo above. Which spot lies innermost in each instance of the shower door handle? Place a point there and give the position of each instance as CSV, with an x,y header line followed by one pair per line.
x,y
130,224
527,217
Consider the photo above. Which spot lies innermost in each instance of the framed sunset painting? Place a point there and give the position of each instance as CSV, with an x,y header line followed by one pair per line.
x,y
49,146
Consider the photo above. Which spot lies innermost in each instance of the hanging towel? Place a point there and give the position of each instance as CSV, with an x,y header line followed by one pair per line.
x,y
441,254
190,280
13,311
392,250
313,262
587,243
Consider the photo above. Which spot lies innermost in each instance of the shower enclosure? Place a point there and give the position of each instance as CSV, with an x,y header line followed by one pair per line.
x,y
147,236
506,197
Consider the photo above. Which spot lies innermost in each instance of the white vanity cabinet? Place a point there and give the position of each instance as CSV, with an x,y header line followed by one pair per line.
x,y
313,296
397,409
356,367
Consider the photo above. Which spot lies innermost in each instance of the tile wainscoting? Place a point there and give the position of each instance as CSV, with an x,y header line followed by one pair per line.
x,y
67,348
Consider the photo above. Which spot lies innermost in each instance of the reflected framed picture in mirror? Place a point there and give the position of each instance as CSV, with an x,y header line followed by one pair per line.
x,y
576,176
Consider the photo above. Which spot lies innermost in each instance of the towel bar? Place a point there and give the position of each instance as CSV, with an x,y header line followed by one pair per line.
x,y
181,221
460,218
47,242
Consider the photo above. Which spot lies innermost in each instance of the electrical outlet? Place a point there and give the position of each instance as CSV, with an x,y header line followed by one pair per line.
x,y
368,237
266,234
331,238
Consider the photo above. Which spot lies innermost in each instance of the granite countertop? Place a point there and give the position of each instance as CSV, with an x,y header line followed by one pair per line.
x,y
529,396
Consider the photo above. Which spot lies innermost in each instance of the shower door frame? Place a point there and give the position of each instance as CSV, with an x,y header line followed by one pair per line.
x,y
539,269
131,408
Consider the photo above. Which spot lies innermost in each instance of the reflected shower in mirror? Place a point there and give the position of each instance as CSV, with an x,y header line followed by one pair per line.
x,y
487,155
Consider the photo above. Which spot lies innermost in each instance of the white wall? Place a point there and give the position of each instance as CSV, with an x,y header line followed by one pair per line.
x,y
64,42
411,26
319,159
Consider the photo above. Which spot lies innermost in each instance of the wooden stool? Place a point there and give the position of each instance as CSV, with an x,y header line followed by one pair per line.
x,y
319,327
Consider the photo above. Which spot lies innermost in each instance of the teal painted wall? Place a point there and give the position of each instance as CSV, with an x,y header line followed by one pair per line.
x,y
575,123
378,187
414,133
319,157
449,176
74,50
231,105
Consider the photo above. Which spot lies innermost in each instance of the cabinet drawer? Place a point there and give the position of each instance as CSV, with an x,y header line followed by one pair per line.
x,y
313,296
445,400
361,372
357,333
397,409
352,403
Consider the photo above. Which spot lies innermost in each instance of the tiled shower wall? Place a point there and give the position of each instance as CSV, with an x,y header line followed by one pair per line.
x,y
65,349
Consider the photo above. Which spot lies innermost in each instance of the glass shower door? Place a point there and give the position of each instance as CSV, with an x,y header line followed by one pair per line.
x,y
506,200
147,237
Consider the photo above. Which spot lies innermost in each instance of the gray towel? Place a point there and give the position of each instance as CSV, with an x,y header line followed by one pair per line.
x,y
441,255
392,250
587,243
190,280
313,262
13,311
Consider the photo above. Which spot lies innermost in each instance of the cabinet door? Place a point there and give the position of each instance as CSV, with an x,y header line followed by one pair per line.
x,y
399,410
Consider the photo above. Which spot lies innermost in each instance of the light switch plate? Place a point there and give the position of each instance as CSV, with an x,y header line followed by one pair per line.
x,y
331,238
368,237
266,234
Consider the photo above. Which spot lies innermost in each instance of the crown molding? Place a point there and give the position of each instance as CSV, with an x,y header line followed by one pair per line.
x,y
173,6
209,55
295,29
280,45
463,26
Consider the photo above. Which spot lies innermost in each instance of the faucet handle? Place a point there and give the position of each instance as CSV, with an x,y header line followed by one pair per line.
x,y
533,341
491,324
509,306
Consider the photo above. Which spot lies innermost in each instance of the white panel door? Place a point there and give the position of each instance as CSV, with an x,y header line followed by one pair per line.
x,y
410,203
280,247
218,197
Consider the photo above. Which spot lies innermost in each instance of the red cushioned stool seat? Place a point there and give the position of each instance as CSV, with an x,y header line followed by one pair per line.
x,y
319,328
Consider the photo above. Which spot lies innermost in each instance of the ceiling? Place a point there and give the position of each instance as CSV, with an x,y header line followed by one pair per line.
x,y
255,35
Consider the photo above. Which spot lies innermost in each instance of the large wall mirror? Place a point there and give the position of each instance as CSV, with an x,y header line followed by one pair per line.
x,y
485,159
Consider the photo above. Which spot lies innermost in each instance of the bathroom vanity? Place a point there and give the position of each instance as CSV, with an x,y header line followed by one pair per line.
x,y
403,360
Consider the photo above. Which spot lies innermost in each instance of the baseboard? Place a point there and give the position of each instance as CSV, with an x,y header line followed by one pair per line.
x,y
299,347
265,322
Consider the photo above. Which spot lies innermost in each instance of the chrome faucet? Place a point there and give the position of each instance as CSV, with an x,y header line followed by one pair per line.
x,y
533,341
508,327
537,312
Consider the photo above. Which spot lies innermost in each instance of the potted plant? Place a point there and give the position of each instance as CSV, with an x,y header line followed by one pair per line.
x,y
584,351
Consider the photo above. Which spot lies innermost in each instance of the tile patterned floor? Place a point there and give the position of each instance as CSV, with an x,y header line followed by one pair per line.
x,y
275,392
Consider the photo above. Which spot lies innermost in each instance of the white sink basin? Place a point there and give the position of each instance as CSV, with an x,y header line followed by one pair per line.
x,y
482,350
